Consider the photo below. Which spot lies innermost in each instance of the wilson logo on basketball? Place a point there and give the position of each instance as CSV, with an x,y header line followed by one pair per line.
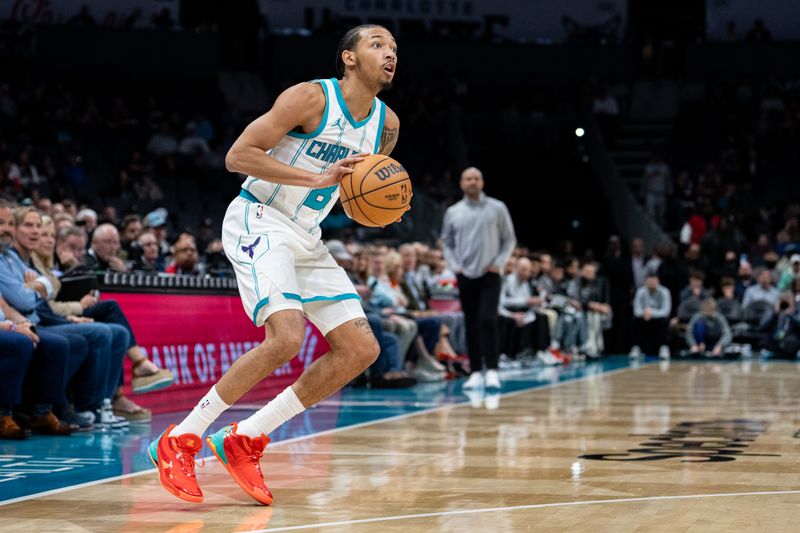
x,y
386,172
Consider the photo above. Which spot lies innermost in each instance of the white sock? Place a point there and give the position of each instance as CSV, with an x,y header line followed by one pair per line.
x,y
265,420
203,415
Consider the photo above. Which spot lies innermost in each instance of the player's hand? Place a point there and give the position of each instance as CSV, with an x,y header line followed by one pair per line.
x,y
337,171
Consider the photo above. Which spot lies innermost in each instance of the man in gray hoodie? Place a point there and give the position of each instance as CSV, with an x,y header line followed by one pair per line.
x,y
651,308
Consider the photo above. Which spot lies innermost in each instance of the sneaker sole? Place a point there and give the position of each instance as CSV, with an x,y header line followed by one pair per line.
x,y
154,386
133,418
257,497
172,490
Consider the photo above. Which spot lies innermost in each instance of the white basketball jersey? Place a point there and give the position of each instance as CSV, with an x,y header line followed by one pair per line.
x,y
337,136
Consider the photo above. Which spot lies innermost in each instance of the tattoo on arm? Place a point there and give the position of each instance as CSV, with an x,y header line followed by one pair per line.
x,y
388,140
363,324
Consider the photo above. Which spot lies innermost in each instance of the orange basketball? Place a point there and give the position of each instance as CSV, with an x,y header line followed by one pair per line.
x,y
377,192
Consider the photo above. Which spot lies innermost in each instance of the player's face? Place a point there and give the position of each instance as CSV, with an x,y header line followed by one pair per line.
x,y
376,57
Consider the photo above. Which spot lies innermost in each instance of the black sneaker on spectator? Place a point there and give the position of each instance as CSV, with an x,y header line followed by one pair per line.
x,y
393,380
77,422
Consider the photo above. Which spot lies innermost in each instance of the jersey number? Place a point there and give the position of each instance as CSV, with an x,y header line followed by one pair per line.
x,y
319,198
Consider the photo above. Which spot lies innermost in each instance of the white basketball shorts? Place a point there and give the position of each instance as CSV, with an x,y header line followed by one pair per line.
x,y
280,266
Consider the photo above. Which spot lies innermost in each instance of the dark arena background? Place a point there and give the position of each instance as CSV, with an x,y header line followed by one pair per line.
x,y
648,332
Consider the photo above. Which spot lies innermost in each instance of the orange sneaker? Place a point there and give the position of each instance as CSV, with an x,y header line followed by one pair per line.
x,y
174,458
240,455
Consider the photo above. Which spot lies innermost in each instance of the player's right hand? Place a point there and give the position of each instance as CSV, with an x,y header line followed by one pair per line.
x,y
337,171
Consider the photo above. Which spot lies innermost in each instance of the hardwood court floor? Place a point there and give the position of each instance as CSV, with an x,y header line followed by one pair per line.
x,y
695,447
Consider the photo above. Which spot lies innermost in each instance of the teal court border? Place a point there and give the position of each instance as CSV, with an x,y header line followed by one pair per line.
x,y
46,465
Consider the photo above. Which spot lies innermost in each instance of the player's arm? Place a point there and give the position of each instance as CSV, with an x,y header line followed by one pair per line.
x,y
391,130
300,105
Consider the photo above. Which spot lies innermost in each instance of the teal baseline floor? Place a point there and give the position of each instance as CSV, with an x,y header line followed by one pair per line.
x,y
41,464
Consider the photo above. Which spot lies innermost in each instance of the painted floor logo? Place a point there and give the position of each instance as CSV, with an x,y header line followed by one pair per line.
x,y
14,467
695,442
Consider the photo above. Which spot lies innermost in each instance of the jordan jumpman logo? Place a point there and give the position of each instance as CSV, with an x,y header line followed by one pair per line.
x,y
249,249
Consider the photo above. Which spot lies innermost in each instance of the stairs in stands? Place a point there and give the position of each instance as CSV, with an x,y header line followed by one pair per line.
x,y
634,145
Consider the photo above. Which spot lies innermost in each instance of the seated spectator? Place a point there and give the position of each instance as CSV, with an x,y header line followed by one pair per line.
x,y
130,229
782,326
44,361
392,309
692,296
86,219
156,221
790,274
763,291
523,331
442,283
708,332
63,220
147,377
727,303
417,295
147,190
432,331
217,263
744,279
150,260
591,294
387,370
70,249
184,257
91,362
651,309
102,255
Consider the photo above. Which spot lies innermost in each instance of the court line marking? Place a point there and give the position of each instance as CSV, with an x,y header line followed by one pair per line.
x,y
360,454
332,431
517,508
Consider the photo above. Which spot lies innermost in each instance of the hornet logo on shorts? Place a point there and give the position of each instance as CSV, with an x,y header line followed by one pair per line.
x,y
251,249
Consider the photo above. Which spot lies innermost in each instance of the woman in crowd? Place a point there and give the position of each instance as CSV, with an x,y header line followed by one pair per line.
x,y
392,305
146,375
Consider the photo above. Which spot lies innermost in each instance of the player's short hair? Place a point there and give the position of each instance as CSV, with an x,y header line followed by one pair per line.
x,y
349,42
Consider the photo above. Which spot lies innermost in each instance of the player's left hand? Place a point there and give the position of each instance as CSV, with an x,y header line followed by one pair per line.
x,y
338,171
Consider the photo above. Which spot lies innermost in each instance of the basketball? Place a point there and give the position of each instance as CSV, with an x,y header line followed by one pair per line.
x,y
377,192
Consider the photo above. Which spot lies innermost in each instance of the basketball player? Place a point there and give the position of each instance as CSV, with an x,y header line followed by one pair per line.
x,y
295,156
